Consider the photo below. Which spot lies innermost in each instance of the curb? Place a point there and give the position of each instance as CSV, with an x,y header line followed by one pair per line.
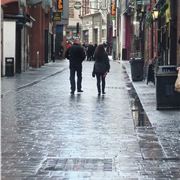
x,y
32,83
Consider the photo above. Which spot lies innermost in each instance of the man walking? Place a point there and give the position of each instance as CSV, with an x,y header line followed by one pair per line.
x,y
76,55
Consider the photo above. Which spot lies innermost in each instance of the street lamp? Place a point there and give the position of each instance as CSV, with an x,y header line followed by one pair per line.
x,y
155,14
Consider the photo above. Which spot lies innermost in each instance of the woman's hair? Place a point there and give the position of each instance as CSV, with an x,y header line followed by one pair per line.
x,y
99,52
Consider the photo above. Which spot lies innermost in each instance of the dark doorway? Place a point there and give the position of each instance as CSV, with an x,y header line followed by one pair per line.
x,y
58,41
18,48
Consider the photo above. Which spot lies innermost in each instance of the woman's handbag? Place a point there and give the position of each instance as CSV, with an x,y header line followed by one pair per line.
x,y
177,83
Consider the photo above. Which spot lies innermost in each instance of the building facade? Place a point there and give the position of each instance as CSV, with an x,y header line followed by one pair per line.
x,y
33,32
26,30
74,25
40,33
14,35
60,28
94,16
147,37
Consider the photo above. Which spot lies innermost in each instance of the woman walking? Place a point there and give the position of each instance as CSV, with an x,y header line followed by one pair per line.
x,y
101,68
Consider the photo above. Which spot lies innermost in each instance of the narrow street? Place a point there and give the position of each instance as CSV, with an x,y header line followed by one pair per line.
x,y
49,134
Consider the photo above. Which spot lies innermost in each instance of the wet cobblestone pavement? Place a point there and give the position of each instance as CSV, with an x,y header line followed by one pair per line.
x,y
49,134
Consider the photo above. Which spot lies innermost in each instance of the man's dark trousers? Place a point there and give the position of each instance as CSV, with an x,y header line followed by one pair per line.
x,y
73,70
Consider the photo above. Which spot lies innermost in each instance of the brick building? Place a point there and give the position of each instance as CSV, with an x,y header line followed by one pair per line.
x,y
27,31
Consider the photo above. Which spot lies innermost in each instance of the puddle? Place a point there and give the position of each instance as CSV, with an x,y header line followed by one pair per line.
x,y
139,115
75,164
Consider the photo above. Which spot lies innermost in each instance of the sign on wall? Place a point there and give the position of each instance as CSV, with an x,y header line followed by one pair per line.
x,y
56,16
77,5
62,7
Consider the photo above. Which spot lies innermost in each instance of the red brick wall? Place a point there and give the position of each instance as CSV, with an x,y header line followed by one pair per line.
x,y
42,38
37,36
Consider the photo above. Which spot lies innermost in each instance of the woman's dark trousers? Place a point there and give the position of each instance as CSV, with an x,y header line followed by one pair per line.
x,y
100,78
73,70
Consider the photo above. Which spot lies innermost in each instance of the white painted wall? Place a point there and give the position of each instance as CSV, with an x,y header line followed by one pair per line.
x,y
122,35
9,41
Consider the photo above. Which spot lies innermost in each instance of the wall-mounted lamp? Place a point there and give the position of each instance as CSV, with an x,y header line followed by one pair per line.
x,y
135,22
155,14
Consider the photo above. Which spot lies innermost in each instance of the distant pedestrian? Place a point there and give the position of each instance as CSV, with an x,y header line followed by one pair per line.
x,y
53,56
101,67
68,44
76,55
90,52
94,49
84,45
61,51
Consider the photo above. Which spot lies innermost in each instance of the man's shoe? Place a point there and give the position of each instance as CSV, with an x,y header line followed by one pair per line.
x,y
72,92
103,93
80,90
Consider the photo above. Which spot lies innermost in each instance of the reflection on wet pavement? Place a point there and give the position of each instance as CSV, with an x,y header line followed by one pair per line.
x,y
49,134
139,115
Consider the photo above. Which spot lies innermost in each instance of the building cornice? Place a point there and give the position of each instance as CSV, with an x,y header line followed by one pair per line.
x,y
89,15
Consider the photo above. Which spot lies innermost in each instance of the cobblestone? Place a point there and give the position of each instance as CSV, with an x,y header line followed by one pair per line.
x,y
49,134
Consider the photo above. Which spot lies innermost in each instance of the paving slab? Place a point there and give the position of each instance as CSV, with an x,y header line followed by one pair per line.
x,y
49,134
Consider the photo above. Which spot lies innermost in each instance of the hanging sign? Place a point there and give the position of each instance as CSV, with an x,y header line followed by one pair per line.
x,y
56,16
60,5
113,8
77,5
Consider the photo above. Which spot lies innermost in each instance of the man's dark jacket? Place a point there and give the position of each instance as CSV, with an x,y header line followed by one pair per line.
x,y
76,55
